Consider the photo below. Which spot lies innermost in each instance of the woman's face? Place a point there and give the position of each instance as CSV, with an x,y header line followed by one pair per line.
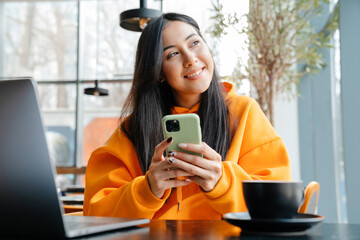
x,y
187,65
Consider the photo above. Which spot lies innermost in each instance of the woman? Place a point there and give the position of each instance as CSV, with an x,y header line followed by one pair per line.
x,y
174,73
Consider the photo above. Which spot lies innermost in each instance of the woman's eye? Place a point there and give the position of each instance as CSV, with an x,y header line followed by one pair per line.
x,y
196,42
172,54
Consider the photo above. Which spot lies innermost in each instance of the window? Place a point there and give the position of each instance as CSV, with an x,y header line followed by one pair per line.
x,y
65,45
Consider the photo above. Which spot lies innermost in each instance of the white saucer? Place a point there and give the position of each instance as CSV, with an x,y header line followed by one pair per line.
x,y
285,227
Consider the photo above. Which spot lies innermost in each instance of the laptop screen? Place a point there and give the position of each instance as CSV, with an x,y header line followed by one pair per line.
x,y
28,196
29,204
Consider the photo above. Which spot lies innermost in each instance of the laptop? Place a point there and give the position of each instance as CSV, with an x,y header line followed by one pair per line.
x,y
29,203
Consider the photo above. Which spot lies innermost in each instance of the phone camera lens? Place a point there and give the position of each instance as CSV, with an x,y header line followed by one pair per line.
x,y
172,125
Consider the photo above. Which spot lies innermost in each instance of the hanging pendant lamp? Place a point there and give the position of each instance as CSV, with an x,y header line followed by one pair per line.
x,y
137,19
96,91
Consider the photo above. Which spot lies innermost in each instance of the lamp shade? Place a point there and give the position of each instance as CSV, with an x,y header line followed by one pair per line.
x,y
137,19
96,91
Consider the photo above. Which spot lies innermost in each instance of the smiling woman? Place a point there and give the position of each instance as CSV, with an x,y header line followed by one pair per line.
x,y
174,73
187,63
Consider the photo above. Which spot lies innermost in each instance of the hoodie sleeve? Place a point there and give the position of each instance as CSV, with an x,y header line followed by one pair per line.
x,y
256,152
114,180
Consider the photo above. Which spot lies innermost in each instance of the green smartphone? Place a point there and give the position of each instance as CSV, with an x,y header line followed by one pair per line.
x,y
183,128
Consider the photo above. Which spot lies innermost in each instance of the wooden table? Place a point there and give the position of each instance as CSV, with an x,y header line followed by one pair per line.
x,y
216,230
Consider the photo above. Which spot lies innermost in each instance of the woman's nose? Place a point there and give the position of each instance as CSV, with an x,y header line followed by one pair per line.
x,y
190,61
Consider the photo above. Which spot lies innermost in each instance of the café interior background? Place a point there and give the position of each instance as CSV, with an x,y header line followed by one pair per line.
x,y
67,45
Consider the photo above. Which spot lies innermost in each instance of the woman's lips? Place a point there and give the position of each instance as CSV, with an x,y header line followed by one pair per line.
x,y
195,74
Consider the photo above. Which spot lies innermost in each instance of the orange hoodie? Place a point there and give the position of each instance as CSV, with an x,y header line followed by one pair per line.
x,y
116,187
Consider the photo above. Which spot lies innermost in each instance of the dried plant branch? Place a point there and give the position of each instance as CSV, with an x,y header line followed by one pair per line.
x,y
280,38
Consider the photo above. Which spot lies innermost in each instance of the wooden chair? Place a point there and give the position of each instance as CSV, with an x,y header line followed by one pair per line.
x,y
72,208
80,213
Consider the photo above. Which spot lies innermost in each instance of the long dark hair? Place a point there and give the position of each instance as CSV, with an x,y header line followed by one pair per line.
x,y
150,100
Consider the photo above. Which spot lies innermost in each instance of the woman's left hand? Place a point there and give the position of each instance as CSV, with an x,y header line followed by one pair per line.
x,y
207,170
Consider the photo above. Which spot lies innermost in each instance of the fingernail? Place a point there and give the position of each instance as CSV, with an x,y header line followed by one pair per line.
x,y
182,145
171,160
169,139
171,153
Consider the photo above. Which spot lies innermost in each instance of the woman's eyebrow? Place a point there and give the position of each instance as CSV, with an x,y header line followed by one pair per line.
x,y
170,46
190,36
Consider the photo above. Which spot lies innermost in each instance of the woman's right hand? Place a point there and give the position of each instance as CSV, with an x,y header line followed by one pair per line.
x,y
161,176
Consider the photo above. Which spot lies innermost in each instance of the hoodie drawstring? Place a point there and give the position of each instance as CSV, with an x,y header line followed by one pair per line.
x,y
179,196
